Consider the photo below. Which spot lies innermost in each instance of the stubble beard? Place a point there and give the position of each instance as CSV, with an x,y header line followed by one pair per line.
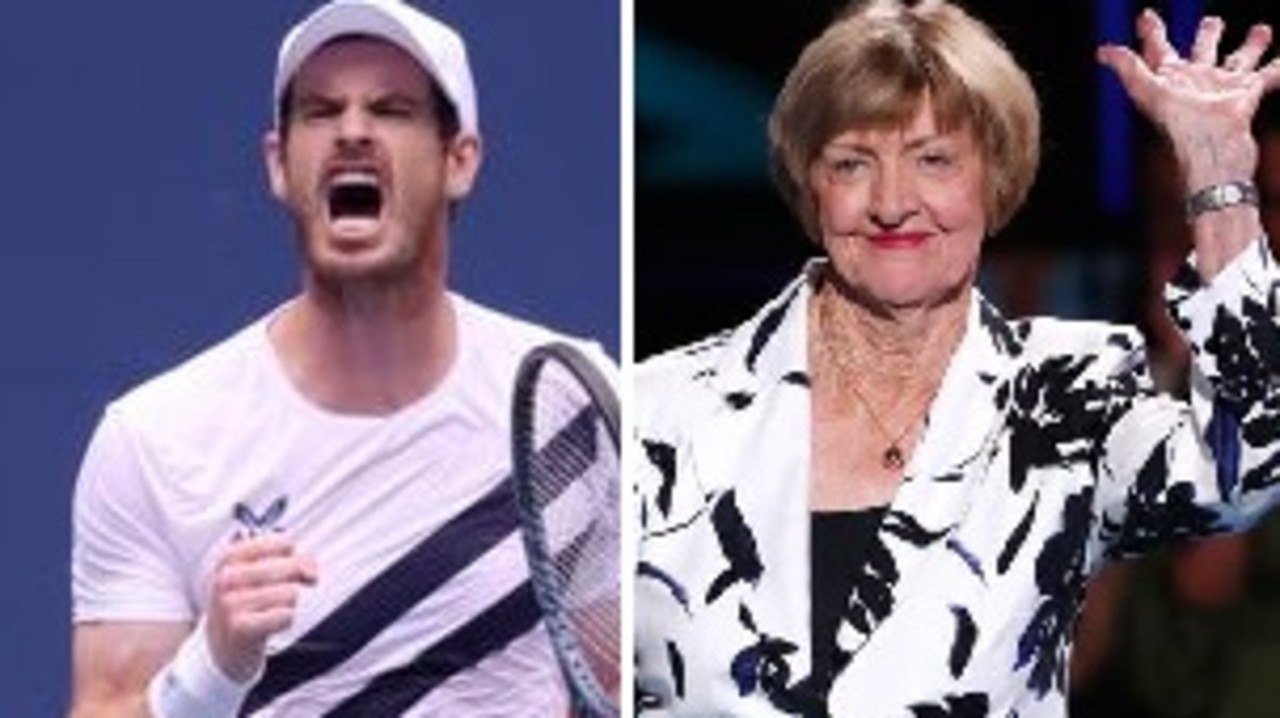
x,y
333,275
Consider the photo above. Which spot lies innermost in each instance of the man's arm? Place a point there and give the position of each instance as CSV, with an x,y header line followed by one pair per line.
x,y
112,664
255,593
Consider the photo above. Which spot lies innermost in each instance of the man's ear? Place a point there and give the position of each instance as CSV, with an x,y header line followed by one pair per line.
x,y
464,159
273,158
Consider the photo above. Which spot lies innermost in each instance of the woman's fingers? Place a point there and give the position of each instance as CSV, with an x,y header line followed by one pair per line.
x,y
1247,56
1204,50
1153,38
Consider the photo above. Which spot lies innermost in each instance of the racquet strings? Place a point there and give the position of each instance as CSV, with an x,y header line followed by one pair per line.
x,y
573,484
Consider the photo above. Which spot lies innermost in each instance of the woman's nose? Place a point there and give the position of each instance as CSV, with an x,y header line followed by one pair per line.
x,y
893,196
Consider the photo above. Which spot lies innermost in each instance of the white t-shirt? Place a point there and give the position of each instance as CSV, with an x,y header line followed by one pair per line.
x,y
408,517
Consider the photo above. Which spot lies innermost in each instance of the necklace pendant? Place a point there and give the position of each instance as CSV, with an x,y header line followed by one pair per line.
x,y
892,458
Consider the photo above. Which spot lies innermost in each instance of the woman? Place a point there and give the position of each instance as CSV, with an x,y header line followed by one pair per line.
x,y
878,497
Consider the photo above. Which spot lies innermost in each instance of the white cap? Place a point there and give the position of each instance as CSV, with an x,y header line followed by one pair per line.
x,y
436,46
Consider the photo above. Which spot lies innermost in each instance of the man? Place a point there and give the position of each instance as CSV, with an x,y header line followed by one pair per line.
x,y
313,515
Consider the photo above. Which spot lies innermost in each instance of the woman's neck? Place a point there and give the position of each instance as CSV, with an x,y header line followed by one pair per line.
x,y
889,350
873,376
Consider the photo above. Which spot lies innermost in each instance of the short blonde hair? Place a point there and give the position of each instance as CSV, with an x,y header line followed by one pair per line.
x,y
875,64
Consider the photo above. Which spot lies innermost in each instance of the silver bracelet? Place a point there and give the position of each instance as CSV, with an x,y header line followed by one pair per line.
x,y
1220,196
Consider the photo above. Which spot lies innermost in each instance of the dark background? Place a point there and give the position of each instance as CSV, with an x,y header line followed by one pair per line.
x,y
137,228
713,241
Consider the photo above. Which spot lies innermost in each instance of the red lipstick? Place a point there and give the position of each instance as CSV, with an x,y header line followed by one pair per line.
x,y
899,240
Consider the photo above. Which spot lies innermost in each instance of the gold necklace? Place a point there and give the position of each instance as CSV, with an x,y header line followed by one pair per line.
x,y
893,457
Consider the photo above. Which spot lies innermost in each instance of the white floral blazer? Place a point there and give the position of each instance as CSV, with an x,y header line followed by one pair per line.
x,y
1046,452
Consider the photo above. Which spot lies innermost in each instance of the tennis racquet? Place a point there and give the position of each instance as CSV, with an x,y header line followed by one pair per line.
x,y
564,445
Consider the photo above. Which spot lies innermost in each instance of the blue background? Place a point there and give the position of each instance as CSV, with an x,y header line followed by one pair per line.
x,y
137,229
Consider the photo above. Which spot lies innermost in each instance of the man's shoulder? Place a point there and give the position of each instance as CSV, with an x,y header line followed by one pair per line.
x,y
495,333
477,314
193,381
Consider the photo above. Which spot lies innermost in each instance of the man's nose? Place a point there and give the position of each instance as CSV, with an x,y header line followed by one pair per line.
x,y
354,126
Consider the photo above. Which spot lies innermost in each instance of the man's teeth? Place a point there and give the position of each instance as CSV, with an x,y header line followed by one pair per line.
x,y
354,179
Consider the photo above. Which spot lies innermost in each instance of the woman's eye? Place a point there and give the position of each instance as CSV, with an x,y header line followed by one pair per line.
x,y
939,162
843,168
937,159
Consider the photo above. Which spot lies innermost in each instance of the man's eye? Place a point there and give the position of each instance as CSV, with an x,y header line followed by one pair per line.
x,y
317,110
399,109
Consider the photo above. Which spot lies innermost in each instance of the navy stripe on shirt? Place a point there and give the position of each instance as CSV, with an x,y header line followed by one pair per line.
x,y
388,596
394,692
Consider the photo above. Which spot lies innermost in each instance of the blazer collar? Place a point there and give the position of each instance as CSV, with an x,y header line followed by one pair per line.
x,y
772,346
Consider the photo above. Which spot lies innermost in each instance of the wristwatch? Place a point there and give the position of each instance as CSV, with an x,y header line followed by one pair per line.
x,y
1220,196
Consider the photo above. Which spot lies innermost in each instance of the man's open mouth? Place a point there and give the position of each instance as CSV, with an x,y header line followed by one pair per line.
x,y
355,195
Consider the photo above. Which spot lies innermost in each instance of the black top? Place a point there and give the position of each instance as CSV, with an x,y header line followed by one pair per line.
x,y
837,552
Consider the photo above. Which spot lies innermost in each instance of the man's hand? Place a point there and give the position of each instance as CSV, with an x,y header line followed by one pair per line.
x,y
254,594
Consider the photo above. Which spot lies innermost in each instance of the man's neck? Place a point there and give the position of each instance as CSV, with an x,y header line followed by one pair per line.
x,y
368,351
